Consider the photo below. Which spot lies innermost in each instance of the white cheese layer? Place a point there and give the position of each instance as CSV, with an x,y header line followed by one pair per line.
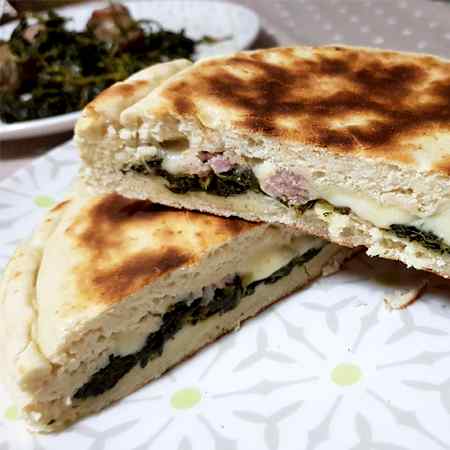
x,y
385,216
382,216
129,342
273,257
439,224
263,170
174,163
366,208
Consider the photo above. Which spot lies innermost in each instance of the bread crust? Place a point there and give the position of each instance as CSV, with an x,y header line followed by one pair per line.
x,y
105,109
18,311
378,104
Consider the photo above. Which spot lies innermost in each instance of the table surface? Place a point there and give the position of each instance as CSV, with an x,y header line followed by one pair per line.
x,y
413,25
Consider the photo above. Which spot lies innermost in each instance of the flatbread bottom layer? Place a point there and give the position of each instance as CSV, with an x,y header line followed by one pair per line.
x,y
55,415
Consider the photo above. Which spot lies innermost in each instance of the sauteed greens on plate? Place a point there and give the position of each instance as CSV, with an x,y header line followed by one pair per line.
x,y
47,69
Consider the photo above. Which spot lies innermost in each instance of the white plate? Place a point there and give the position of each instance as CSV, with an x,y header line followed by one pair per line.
x,y
198,18
327,369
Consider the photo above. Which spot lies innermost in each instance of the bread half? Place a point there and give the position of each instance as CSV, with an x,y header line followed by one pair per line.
x,y
109,293
350,144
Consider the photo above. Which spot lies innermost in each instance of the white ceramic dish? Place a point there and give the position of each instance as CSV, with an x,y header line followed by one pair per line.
x,y
198,18
330,368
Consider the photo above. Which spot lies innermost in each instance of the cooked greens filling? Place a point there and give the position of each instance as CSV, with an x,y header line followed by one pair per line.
x,y
240,180
283,271
410,232
299,208
426,238
46,68
233,182
179,315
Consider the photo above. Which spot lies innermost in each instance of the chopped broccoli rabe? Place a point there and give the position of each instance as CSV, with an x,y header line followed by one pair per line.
x,y
181,314
426,238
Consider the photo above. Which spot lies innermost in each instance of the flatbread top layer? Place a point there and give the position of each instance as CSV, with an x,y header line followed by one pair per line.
x,y
109,247
374,103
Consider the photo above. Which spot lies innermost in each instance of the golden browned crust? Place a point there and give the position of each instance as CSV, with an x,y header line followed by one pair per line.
x,y
123,89
443,165
106,108
344,99
126,244
133,273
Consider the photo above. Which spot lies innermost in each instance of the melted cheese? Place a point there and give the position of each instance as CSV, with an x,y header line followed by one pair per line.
x,y
174,162
263,170
273,257
366,208
382,216
385,216
128,342
439,224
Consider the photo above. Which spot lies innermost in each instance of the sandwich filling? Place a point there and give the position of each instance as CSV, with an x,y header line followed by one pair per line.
x,y
224,175
214,300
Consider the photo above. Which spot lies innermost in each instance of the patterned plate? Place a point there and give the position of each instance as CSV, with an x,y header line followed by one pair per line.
x,y
329,368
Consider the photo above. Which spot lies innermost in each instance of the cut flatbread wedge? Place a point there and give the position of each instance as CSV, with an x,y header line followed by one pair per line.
x,y
349,144
109,293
